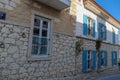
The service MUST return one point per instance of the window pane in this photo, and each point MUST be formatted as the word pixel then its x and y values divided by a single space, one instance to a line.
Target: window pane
pixel 44 41
pixel 34 50
pixel 44 33
pixel 45 24
pixel 37 22
pixel 35 40
pixel 40 41
pixel 36 31
pixel 43 50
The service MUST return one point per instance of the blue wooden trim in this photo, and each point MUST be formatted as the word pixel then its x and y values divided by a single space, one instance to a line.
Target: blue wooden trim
pixel 99 30
pixel 99 59
pixel 94 33
pixel 84 61
pixel 85 26
pixel 113 33
pixel 94 60
pixel 112 59
pixel 116 56
pixel 106 60
pixel 105 32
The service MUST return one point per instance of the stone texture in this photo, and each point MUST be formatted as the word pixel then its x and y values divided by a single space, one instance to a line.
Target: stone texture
pixel 5 72
pixel 10 40
pixel 14 35
pixel 9 4
pixel 13 50
pixel 14 66
pixel 9 59
pixel 5 30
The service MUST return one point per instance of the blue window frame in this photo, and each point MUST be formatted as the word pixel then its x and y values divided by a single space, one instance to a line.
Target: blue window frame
pixel 102 31
pixel 2 15
pixel 102 59
pixel 88 60
pixel 41 36
pixel 88 26
pixel 114 58
pixel 114 38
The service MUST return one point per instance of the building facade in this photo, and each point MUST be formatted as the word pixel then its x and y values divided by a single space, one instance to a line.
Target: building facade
pixel 38 39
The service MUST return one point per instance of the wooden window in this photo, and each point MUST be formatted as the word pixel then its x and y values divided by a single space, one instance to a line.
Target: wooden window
pixel 90 26
pixel 89 60
pixel 41 36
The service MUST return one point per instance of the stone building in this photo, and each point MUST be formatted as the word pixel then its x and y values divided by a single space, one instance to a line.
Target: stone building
pixel 38 39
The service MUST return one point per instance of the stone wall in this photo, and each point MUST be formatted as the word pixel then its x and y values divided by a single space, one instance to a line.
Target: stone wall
pixel 14 63
pixel 20 12
pixel 9 4
pixel 89 44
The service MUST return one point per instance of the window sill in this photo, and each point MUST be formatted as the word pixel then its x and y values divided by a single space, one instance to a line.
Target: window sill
pixel 39 58
pixel 94 39
pixel 87 37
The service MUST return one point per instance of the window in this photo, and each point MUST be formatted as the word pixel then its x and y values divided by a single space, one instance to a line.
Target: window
pixel 90 26
pixel 113 35
pixel 102 31
pixel 102 59
pixel 103 34
pixel 114 58
pixel 41 36
pixel 89 60
pixel 2 15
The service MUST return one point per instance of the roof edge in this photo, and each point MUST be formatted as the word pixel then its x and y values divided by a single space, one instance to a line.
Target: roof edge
pixel 103 10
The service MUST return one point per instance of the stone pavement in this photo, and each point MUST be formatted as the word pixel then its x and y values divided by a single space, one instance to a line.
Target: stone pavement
pixel 107 75
pixel 112 76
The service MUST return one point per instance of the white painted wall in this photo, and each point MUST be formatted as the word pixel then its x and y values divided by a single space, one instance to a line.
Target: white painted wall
pixel 79 25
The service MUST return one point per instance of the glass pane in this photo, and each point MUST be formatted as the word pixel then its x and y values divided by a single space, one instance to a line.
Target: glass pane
pixel 44 41
pixel 43 50
pixel 37 22
pixel 36 31
pixel 45 24
pixel 44 33
pixel 35 40
pixel 34 50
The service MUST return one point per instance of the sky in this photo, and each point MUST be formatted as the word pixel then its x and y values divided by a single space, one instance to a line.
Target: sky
pixel 111 6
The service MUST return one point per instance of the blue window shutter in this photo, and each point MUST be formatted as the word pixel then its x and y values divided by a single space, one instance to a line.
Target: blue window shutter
pixel 112 58
pixel 94 60
pixel 84 61
pixel 94 28
pixel 116 58
pixel 99 30
pixel 106 58
pixel 99 59
pixel 85 27
pixel 113 37
pixel 105 32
